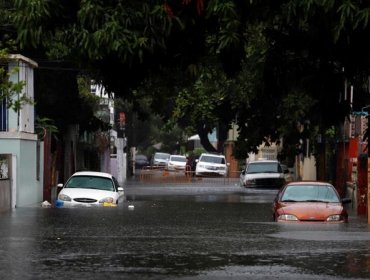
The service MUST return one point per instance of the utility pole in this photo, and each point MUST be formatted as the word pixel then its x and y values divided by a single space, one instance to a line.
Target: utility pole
pixel 121 143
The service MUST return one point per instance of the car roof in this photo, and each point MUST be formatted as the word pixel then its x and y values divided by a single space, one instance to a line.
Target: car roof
pixel 178 156
pixel 263 161
pixel 213 155
pixel 309 182
pixel 93 173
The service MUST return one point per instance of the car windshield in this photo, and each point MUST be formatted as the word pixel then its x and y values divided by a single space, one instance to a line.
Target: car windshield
pixel 90 182
pixel 140 157
pixel 211 159
pixel 161 156
pixel 264 167
pixel 181 159
pixel 310 193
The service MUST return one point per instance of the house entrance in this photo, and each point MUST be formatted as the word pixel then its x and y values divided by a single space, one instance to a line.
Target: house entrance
pixel 5 182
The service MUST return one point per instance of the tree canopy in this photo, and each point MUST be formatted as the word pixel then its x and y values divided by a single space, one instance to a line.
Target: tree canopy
pixel 266 65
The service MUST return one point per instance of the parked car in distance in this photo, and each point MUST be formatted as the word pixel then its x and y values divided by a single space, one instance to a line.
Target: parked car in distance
pixel 211 165
pixel 141 161
pixel 288 176
pixel 262 173
pixel 90 188
pixel 160 159
pixel 176 162
pixel 309 201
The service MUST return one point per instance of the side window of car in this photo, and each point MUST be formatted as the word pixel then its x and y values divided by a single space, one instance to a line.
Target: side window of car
pixel 116 185
pixel 280 170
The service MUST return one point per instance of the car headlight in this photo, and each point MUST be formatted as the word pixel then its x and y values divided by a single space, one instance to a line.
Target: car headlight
pixel 287 217
pixel 107 200
pixel 250 181
pixel 334 218
pixel 64 197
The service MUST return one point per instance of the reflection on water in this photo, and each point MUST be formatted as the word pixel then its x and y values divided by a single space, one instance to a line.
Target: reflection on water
pixel 189 235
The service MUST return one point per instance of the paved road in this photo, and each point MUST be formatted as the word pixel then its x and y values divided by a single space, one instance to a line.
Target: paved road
pixel 178 231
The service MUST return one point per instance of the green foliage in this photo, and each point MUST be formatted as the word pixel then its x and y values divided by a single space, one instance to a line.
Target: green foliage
pixel 265 65
pixel 228 21
pixel 93 29
pixel 11 91
pixel 84 89
pixel 145 129
pixel 42 125
pixel 295 109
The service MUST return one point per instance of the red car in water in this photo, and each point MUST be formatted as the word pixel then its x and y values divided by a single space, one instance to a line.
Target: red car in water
pixel 309 201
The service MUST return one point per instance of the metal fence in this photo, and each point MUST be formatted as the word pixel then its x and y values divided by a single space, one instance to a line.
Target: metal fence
pixel 160 175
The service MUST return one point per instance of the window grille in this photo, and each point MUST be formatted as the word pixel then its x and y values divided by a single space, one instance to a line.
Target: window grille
pixel 3 115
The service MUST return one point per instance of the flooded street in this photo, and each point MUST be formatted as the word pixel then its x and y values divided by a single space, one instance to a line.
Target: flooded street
pixel 179 232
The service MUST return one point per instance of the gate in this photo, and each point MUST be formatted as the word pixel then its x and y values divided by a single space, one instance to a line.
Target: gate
pixel 154 175
pixel 5 182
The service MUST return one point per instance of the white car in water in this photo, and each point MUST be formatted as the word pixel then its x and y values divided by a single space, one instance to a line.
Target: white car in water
pixel 90 188
pixel 160 159
pixel 176 162
pixel 262 173
pixel 211 165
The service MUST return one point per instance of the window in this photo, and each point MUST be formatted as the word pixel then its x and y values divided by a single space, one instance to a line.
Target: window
pixel 3 115
pixel 4 167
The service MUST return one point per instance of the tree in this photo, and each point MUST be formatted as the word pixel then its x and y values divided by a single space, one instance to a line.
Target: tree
pixel 10 91
pixel 249 62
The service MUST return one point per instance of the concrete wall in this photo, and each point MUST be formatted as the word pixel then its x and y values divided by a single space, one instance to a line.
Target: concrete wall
pixel 23 120
pixel 309 168
pixel 28 188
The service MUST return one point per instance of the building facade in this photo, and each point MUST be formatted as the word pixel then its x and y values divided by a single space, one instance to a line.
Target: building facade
pixel 21 152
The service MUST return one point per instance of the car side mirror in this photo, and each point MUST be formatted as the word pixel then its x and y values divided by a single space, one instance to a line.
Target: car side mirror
pixel 243 172
pixel 346 200
pixel 197 160
pixel 120 189
pixel 228 164
pixel 60 185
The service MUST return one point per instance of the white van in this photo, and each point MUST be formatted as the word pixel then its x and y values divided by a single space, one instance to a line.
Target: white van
pixel 262 173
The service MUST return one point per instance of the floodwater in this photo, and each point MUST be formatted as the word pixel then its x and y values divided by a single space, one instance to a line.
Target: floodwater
pixel 179 232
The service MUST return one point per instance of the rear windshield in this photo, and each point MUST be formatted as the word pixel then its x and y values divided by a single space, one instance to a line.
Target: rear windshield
pixel 211 159
pixel 181 159
pixel 162 156
pixel 264 167
pixel 90 182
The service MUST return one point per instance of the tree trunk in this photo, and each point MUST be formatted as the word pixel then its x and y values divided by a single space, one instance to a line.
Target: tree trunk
pixel 203 135
pixel 221 135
